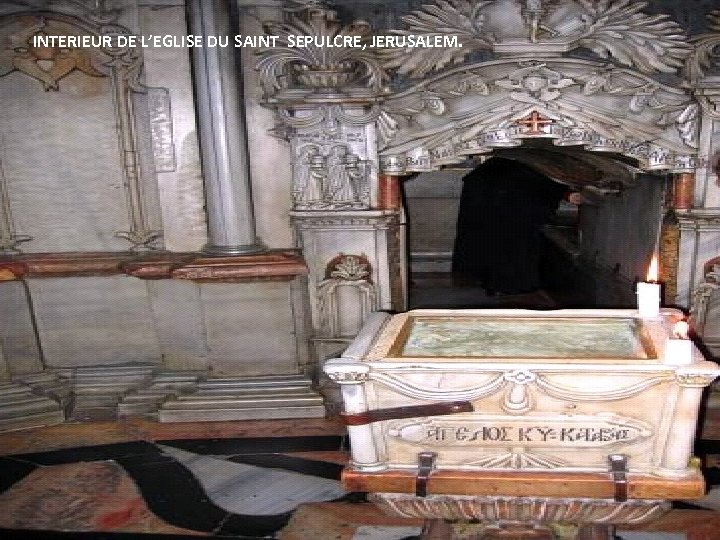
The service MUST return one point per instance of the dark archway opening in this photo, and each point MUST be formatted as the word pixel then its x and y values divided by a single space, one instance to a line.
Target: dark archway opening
pixel 499 239
pixel 504 234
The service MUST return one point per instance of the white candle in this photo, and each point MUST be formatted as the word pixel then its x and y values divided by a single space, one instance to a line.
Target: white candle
pixel 648 292
pixel 648 299
pixel 678 347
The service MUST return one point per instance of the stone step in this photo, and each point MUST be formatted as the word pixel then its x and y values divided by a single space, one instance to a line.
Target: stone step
pixel 28 408
pixel 242 390
pixel 260 396
pixel 27 421
pixel 263 401
pixel 13 388
pixel 28 397
pixel 115 371
pixel 267 381
pixel 229 414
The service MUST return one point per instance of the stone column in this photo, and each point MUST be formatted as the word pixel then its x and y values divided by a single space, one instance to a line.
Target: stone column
pixel 683 191
pixel 223 138
pixel 352 377
pixel 679 446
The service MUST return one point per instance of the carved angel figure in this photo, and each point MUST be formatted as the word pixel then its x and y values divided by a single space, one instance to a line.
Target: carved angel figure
pixel 310 178
pixel 341 186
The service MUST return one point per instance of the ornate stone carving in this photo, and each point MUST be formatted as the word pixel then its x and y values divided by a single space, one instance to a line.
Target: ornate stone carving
pixel 317 66
pixel 610 28
pixel 519 460
pixel 122 65
pixel 535 83
pixel 704 54
pixel 330 178
pixel 559 90
pixel 702 296
pixel 523 509
pixel 342 314
pixel 46 64
pixel 463 18
pixel 344 372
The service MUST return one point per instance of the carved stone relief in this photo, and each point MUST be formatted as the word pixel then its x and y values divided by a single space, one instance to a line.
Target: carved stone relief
pixel 322 65
pixel 705 312
pixel 330 178
pixel 49 65
pixel 610 28
pixel 346 296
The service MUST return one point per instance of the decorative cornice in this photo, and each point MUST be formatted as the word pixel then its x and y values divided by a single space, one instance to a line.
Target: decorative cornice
pixel 276 265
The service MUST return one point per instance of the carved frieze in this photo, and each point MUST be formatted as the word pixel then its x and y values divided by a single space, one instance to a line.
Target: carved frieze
pixel 493 509
pixel 581 103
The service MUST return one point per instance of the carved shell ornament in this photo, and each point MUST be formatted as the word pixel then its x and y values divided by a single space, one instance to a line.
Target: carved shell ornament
pixel 616 29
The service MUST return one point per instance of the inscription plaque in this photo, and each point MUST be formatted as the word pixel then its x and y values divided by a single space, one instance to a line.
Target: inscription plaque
pixel 532 431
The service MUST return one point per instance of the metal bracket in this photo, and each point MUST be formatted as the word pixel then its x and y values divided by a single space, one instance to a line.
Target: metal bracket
pixel 411 411
pixel 619 469
pixel 426 464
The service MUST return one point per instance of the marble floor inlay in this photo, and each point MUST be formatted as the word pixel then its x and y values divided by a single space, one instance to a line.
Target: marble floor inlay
pixel 247 489
pixel 284 488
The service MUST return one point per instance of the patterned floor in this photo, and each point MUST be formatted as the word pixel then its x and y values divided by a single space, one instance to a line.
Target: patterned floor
pixel 272 487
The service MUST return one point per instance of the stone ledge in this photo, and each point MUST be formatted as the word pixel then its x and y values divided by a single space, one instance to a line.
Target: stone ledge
pixel 525 484
pixel 275 265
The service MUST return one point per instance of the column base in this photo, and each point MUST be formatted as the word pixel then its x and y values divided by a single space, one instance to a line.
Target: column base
pixel 244 249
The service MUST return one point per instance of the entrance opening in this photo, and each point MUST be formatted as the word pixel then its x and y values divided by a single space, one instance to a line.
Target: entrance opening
pixel 531 228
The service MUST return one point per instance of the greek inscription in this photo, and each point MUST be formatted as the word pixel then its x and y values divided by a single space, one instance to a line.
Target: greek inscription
pixel 530 434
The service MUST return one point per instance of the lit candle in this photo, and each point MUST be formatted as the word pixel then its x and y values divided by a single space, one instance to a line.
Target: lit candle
pixel 648 292
pixel 678 347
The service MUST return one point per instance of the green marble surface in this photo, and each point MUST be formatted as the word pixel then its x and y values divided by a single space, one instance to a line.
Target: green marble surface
pixel 524 338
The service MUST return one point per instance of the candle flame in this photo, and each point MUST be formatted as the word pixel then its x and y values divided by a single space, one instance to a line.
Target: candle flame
pixel 681 330
pixel 652 273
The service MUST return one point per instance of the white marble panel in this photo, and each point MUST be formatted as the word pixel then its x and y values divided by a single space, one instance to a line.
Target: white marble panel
pixel 181 193
pixel 88 321
pixel 250 328
pixel 270 157
pixel 61 160
pixel 18 343
pixel 251 490
pixel 178 318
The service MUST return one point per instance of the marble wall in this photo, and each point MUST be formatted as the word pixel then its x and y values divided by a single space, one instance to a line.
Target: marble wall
pixel 229 329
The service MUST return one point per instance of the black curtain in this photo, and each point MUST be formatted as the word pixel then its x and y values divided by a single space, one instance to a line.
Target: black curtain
pixel 503 206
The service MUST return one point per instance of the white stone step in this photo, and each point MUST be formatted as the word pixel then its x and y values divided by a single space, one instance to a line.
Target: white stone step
pixel 27 421
pixel 29 407
pixel 226 414
pixel 242 390
pixel 264 401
